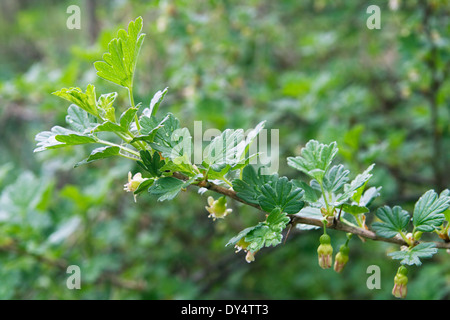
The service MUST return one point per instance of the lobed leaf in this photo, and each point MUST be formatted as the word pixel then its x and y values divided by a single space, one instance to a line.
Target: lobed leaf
pixel 119 64
pixel 249 187
pixel 151 163
pixel 394 220
pixel 315 159
pixel 351 189
pixel 98 154
pixel 167 188
pixel 264 234
pixel 428 211
pixel 281 194
pixel 85 100
pixel 335 178
pixel 413 254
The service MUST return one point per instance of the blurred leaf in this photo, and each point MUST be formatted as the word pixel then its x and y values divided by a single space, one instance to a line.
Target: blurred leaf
pixel 64 230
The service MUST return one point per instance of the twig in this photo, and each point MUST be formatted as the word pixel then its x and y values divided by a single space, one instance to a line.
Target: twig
pixel 297 218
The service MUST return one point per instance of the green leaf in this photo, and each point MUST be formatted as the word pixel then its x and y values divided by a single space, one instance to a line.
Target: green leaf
pixel 315 159
pixel 109 126
pixel 351 189
pixel 394 221
pixel 85 100
pixel 154 103
pixel 354 209
pixel 149 127
pixel 79 120
pixel 171 140
pixel 241 235
pixel 277 220
pixel 243 151
pixel 223 149
pixel 99 153
pixel 369 195
pixel 168 188
pixel 249 187
pixel 59 137
pixel 281 194
pixel 231 150
pixel 180 164
pixel 264 234
pixel 150 163
pixel 413 254
pixel 106 110
pixel 127 117
pixel 335 178
pixel 144 185
pixel 310 195
pixel 120 62
pixel 428 211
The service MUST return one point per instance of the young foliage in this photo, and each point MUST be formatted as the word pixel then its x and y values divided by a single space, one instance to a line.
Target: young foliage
pixel 351 188
pixel 162 149
pixel 57 137
pixel 315 159
pixel 412 255
pixel 119 64
pixel 264 234
pixel 85 100
pixel 394 221
pixel 98 154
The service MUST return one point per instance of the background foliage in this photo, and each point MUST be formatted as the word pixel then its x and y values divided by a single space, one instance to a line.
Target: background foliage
pixel 312 69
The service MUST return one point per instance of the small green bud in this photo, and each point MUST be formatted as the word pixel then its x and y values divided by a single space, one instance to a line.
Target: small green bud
pixel 400 283
pixel 243 245
pixel 325 239
pixel 341 258
pixel 417 235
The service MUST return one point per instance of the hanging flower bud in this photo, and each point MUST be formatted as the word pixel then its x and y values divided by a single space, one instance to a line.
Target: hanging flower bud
pixel 218 208
pixel 133 183
pixel 400 281
pixel 250 256
pixel 341 258
pixel 242 245
pixel 325 252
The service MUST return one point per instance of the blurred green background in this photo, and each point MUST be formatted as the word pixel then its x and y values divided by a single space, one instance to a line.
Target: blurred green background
pixel 311 68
